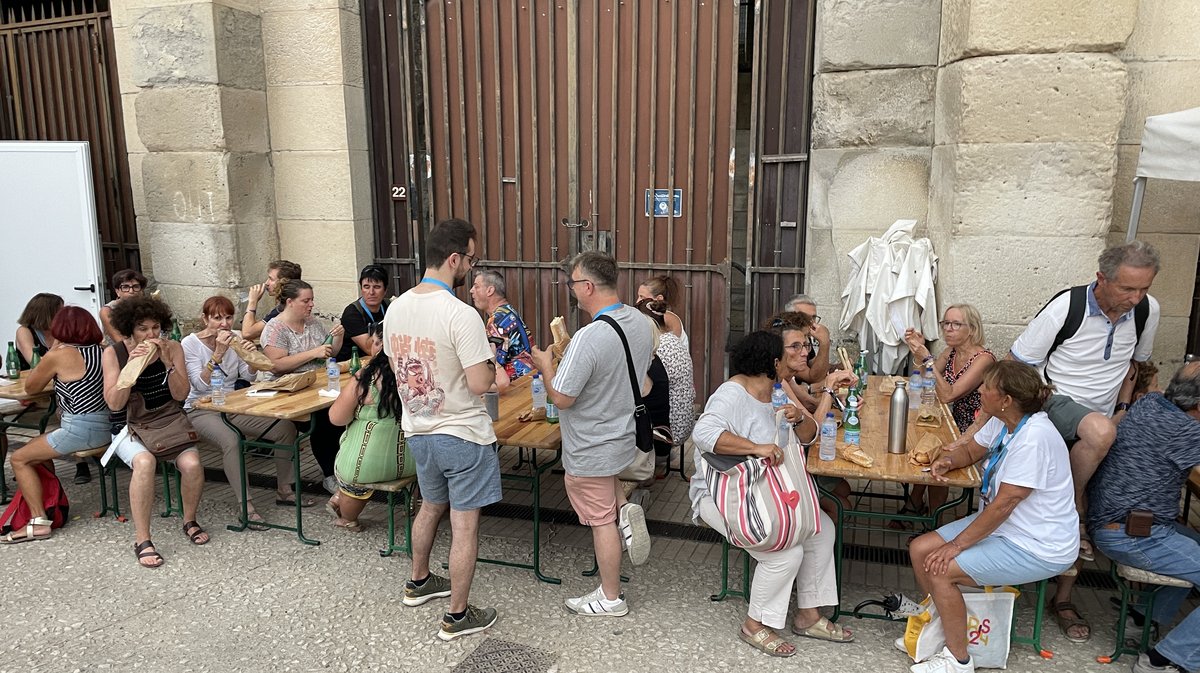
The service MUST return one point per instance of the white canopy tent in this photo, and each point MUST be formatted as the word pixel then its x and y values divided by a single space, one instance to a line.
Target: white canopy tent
pixel 1170 151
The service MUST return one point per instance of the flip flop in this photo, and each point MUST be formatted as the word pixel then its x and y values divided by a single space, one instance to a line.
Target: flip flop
pixel 291 502
pixel 352 526
pixel 820 631
pixel 758 640
pixel 256 521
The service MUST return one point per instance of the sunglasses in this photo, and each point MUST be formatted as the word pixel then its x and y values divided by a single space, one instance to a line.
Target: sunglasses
pixel 571 282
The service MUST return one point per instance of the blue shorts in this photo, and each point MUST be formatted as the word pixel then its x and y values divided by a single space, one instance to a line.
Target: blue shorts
pixel 80 432
pixel 994 561
pixel 455 471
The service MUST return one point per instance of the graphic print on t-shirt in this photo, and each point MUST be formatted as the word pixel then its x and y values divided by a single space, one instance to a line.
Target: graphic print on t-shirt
pixel 415 363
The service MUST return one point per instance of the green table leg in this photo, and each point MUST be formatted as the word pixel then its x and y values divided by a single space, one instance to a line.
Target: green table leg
pixel 293 449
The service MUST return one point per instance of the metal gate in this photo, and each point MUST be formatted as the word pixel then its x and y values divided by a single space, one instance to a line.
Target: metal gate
pixel 58 81
pixel 576 125
pixel 782 109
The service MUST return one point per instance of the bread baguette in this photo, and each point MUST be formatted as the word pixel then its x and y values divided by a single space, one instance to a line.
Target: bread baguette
pixel 134 366
pixel 558 330
pixel 856 456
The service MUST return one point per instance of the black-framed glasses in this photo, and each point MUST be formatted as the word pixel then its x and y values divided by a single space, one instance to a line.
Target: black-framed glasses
pixel 571 282
pixel 816 319
pixel 472 260
pixel 130 287
pixel 800 347
pixel 952 325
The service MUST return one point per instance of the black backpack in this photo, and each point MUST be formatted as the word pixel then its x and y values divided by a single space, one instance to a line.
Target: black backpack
pixel 1077 309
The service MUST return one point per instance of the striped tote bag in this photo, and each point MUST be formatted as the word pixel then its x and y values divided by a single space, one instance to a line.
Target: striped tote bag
pixel 766 507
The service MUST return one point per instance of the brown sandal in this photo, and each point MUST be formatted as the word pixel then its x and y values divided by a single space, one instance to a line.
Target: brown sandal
pixel 1067 623
pixel 139 550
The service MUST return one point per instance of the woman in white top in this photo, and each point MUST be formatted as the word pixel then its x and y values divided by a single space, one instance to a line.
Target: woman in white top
pixel 1026 530
pixel 666 288
pixel 297 342
pixel 738 420
pixel 204 352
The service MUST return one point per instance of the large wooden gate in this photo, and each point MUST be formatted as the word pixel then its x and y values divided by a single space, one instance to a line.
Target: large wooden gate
pixel 58 81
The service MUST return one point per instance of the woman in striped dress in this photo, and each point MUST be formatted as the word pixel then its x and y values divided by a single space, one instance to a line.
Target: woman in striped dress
pixel 74 364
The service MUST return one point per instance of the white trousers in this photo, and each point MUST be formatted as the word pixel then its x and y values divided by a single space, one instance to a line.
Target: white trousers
pixel 809 565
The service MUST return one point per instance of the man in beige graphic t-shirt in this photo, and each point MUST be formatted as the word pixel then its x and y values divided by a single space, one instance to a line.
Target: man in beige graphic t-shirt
pixel 443 363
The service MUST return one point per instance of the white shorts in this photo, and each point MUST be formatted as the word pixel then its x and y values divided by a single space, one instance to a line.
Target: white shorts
pixel 126 446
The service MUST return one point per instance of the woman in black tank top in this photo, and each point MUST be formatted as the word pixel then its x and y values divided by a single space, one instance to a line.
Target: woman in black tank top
pixel 163 382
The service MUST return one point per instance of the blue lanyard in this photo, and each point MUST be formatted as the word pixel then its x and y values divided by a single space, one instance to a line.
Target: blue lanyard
pixel 370 313
pixel 435 281
pixel 606 309
pixel 996 454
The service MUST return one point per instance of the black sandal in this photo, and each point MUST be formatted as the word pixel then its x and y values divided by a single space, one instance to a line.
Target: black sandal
pixel 906 508
pixel 193 531
pixel 139 550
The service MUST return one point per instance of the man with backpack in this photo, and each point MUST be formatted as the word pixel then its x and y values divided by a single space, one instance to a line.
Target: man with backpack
pixel 1087 341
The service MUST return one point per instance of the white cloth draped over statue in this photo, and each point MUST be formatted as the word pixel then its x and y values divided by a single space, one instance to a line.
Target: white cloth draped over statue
pixel 892 287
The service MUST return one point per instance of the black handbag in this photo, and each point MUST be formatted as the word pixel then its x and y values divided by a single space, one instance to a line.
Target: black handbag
pixel 642 426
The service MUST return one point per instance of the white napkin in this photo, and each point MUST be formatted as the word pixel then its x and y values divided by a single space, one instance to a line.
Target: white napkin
pixel 261 393
pixel 324 392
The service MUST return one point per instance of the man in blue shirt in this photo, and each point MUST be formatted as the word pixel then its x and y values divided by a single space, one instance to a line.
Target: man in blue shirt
pixel 505 329
pixel 1158 444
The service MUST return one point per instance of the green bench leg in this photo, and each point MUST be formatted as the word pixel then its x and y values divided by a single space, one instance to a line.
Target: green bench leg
pixel 171 505
pixel 110 501
pixel 406 499
pixel 1146 598
pixel 725 590
pixel 1035 638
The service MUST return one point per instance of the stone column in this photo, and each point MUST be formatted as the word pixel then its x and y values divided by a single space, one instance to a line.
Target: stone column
pixel 194 97
pixel 1029 102
pixel 317 111
pixel 872 131
pixel 1163 60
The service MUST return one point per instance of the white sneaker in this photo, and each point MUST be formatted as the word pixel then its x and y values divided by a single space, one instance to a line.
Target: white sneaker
pixel 899 643
pixel 330 484
pixel 634 537
pixel 596 604
pixel 943 662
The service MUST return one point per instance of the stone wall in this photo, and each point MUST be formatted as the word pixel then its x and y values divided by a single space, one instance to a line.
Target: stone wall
pixel 1162 56
pixel 872 131
pixel 247 137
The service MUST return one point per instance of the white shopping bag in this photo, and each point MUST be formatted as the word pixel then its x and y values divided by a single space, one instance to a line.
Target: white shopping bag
pixel 989 627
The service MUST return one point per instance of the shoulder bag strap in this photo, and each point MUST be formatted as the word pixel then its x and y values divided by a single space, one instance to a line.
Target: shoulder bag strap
pixel 637 392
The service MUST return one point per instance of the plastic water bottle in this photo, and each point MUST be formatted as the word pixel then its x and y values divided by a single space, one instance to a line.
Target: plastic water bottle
pixel 829 437
pixel 778 397
pixel 863 371
pixel 551 412
pixel 783 434
pixel 928 387
pixel 916 386
pixel 538 388
pixel 851 429
pixel 217 382
pixel 333 375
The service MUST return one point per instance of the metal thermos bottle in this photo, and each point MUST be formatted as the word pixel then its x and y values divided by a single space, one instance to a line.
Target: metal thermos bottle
pixel 898 419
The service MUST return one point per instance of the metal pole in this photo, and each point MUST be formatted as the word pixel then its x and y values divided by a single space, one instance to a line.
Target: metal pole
pixel 1135 212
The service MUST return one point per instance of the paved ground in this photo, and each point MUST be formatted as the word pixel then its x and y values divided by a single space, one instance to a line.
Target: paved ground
pixel 260 601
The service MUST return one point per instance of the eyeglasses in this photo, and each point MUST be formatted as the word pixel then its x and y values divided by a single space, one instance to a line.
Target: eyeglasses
pixel 800 347
pixel 816 319
pixel 472 260
pixel 130 288
pixel 951 325
pixel 571 282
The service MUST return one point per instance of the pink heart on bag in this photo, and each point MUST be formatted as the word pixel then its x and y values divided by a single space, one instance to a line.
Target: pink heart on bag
pixel 792 499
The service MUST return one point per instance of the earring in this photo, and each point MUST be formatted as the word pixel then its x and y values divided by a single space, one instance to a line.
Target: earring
pixel 1003 408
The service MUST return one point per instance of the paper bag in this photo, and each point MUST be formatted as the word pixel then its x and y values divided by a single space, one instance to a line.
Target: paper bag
pixel 133 369
pixel 288 383
pixel 249 353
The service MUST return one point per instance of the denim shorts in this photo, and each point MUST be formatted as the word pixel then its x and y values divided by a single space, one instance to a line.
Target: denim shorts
pixel 456 471
pixel 994 561
pixel 80 432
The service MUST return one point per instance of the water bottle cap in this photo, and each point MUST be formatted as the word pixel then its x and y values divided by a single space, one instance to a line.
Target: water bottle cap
pixel 828 414
pixel 535 375
pixel 779 386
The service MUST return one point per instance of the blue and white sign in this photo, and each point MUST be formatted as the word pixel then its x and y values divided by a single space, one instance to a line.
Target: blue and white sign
pixel 664 202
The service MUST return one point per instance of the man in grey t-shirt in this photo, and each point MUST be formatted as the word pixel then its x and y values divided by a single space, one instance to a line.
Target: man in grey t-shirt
pixel 591 387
